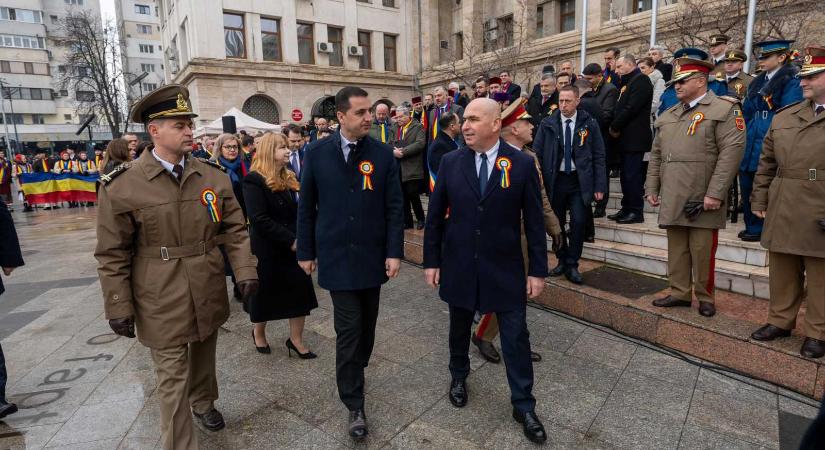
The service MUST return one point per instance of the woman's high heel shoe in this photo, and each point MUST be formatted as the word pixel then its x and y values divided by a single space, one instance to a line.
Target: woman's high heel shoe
pixel 266 349
pixel 291 347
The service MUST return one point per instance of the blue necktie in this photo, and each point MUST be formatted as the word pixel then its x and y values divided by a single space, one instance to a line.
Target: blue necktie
pixel 568 147
pixel 482 173
pixel 296 166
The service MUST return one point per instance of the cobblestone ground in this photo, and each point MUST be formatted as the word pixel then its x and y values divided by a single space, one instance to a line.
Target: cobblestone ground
pixel 81 387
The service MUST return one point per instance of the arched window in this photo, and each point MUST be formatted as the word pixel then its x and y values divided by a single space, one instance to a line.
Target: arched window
pixel 262 108
pixel 324 107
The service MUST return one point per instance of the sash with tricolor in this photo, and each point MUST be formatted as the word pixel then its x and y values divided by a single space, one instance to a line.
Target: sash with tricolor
pixel 65 187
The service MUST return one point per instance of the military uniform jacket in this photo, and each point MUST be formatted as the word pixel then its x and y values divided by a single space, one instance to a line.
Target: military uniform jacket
pixel 783 187
pixel 738 85
pixel 687 167
pixel 157 253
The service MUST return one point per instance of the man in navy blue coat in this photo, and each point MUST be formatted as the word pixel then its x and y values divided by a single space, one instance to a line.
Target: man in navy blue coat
pixel 350 220
pixel 10 258
pixel 472 250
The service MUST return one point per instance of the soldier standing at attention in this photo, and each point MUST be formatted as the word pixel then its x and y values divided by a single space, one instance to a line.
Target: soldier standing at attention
pixel 737 79
pixel 698 145
pixel 718 48
pixel 160 222
pixel 789 193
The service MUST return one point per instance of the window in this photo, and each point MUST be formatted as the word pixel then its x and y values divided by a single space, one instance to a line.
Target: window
pixel 67 117
pixel 85 96
pixel 83 71
pixel 233 35
pixel 28 68
pixel 10 40
pixel 642 5
pixel 306 39
pixel 61 69
pixel 5 67
pixel 271 39
pixel 390 55
pixel 144 29
pixel 73 2
pixel 38 119
pixel 36 94
pixel 540 21
pixel 335 36
pixel 147 87
pixel 458 52
pixel 568 15
pixel 147 67
pixel 64 93
pixel 142 9
pixel 53 19
pixel 390 3
pixel 146 48
pixel 20 15
pixel 365 61
pixel 13 118
pixel 505 29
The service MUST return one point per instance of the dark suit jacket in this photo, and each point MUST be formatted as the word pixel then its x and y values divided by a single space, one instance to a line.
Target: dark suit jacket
pixel 431 114
pixel 350 230
pixel 589 158
pixel 442 145
pixel 607 94
pixel 538 110
pixel 514 91
pixel 665 68
pixel 478 247
pixel 631 117
pixel 10 255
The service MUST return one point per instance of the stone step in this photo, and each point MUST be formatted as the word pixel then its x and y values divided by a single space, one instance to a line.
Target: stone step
pixel 730 276
pixel 614 203
pixel 648 234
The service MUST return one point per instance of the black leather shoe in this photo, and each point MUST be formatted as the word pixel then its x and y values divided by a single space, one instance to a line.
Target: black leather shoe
pixel 707 309
pixel 750 237
pixel 740 234
pixel 558 271
pixel 769 332
pixel 617 215
pixel 573 275
pixel 533 428
pixel 535 357
pixel 458 393
pixel 358 425
pixel 812 348
pixel 631 218
pixel 487 349
pixel 599 212
pixel 6 409
pixel 212 420
pixel 670 302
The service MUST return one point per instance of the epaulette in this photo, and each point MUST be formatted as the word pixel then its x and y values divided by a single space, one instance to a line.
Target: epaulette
pixel 108 177
pixel 728 98
pixel 211 163
pixel 788 106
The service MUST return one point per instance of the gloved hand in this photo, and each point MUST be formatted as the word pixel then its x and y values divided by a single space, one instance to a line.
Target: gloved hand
pixel 123 327
pixel 822 224
pixel 556 242
pixel 693 209
pixel 248 288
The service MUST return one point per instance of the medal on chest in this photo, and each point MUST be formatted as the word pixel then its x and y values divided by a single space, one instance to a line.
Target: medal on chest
pixel 366 168
pixel 696 118
pixel 582 136
pixel 504 165
pixel 210 199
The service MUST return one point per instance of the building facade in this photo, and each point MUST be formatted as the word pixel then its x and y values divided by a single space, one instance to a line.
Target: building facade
pixel 44 115
pixel 138 25
pixel 274 58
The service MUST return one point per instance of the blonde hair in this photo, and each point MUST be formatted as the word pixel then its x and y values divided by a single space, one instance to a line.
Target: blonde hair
pixel 265 163
pixel 220 142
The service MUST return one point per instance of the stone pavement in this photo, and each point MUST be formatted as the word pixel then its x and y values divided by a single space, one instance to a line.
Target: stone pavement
pixel 80 387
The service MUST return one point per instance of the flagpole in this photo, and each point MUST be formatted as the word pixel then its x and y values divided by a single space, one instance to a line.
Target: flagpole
pixel 583 55
pixel 654 15
pixel 749 34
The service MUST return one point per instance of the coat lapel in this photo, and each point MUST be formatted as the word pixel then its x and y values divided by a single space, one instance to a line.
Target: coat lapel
pixel 468 168
pixel 504 149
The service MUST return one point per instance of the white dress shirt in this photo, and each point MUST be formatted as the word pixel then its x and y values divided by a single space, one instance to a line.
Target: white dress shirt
pixel 730 77
pixel 696 100
pixel 345 145
pixel 564 134
pixel 491 160
pixel 168 166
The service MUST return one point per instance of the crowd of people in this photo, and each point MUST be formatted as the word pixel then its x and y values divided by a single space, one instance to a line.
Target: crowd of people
pixel 503 170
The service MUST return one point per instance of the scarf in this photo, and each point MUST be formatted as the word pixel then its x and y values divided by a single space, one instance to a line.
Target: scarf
pixel 235 169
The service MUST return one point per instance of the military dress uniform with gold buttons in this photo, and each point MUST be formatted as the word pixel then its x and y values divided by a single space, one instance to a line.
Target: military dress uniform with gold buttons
pixel 695 154
pixel 718 71
pixel 738 83
pixel 790 187
pixel 158 230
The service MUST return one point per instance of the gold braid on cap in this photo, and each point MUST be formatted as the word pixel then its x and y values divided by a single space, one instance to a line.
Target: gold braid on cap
pixel 180 107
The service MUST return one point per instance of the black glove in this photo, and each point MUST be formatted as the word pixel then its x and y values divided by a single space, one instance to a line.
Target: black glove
pixel 556 242
pixel 248 288
pixel 822 224
pixel 123 327
pixel 693 209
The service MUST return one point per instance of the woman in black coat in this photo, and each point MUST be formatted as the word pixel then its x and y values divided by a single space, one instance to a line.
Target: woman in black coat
pixel 286 292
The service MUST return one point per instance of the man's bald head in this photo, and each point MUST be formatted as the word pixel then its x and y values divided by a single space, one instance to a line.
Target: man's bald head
pixel 381 112
pixel 482 124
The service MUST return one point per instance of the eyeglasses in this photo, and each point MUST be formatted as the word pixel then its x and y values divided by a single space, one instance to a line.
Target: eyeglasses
pixel 230 147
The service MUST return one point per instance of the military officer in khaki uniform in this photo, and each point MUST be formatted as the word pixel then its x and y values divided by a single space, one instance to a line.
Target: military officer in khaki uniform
pixel 718 48
pixel 737 79
pixel 160 221
pixel 789 193
pixel 696 153
pixel 516 130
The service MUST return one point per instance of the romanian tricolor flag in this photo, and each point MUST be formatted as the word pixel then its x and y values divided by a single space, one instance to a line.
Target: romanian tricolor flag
pixel 65 187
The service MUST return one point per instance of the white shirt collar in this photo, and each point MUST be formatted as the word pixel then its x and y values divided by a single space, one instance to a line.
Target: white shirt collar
pixel 491 154
pixel 734 75
pixel 573 118
pixel 513 146
pixel 817 105
pixel 696 100
pixel 770 74
pixel 168 166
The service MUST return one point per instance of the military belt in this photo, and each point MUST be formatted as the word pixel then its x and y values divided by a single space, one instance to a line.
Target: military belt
pixel 801 174
pixel 184 251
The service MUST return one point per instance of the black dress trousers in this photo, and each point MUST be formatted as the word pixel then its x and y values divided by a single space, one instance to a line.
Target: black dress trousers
pixel 355 314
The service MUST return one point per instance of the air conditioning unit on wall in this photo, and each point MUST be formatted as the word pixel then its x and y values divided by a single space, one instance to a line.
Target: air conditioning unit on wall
pixel 355 50
pixel 444 44
pixel 324 47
